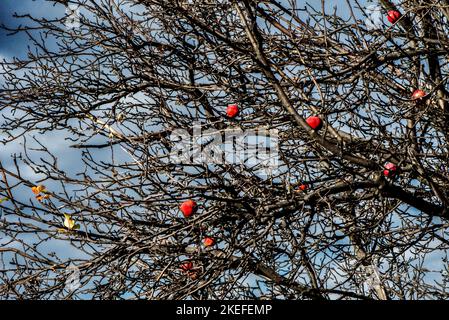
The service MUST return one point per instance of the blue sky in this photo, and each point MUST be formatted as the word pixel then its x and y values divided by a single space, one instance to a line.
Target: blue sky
pixel 17 45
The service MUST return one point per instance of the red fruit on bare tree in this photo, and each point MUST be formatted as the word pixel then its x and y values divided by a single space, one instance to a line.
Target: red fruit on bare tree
pixel 393 16
pixel 188 208
pixel 178 100
pixel 208 241
pixel 314 122
pixel 418 94
pixel 232 111
pixel 390 170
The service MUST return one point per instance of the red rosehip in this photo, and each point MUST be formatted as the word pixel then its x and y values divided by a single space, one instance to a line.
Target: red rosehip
pixel 314 122
pixel 188 208
pixel 303 187
pixel 393 16
pixel 390 170
pixel 208 241
pixel 418 94
pixel 186 266
pixel 232 111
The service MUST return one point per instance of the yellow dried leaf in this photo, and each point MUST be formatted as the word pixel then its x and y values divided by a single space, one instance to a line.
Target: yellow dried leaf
pixel 69 223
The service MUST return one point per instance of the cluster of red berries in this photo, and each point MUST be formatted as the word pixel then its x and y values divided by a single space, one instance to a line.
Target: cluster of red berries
pixel 393 16
pixel 188 208
pixel 390 169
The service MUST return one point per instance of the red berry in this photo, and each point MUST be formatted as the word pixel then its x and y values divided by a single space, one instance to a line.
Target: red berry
pixel 418 94
pixel 390 170
pixel 393 16
pixel 303 187
pixel 232 110
pixel 314 122
pixel 187 266
pixel 188 208
pixel 208 241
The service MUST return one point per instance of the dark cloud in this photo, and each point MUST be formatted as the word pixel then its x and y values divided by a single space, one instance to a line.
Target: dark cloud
pixel 16 45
